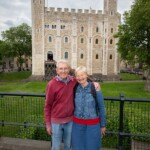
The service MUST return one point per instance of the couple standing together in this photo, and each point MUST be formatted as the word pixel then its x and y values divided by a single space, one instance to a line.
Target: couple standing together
pixel 71 113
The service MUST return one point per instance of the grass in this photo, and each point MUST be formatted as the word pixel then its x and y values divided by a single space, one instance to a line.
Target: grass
pixel 11 76
pixel 130 89
pixel 112 89
pixel 128 76
pixel 23 87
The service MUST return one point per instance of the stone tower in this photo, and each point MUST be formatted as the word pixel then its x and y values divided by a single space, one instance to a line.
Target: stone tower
pixel 38 37
pixel 83 37
pixel 110 7
pixel 110 26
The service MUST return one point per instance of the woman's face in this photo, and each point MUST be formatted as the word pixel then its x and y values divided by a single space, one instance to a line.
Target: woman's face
pixel 81 77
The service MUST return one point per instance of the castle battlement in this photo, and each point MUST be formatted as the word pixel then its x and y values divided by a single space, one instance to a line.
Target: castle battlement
pixel 77 11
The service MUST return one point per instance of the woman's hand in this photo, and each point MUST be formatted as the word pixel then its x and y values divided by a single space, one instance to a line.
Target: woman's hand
pixel 103 130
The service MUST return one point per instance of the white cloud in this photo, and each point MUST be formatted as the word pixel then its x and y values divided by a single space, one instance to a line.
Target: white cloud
pixel 18 11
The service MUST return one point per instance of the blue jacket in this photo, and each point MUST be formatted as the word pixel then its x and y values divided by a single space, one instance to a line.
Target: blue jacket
pixel 85 104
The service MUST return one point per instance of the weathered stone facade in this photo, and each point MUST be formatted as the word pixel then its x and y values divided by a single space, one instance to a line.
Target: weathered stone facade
pixel 84 37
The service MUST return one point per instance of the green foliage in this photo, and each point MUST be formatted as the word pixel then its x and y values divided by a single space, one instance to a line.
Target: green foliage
pixel 36 133
pixel 134 34
pixel 139 124
pixel 111 140
pixel 17 42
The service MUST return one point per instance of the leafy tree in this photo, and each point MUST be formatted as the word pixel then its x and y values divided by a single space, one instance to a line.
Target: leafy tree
pixel 134 36
pixel 3 52
pixel 17 43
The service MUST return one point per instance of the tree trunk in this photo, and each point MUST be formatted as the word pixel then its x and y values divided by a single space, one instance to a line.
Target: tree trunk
pixel 147 86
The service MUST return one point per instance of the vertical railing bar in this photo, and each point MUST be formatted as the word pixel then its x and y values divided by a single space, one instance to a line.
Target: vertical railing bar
pixel 122 98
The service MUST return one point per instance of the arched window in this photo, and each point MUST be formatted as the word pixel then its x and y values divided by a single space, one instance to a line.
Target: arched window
pixel 82 29
pixel 112 30
pixel 82 40
pixel 66 39
pixel 53 26
pixel 81 56
pixel 66 55
pixel 111 41
pixel 110 57
pixel 96 56
pixel 96 41
pixel 111 13
pixel 49 39
pixel 50 56
pixel 97 29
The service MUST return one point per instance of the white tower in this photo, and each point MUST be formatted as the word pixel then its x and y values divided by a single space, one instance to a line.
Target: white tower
pixel 37 37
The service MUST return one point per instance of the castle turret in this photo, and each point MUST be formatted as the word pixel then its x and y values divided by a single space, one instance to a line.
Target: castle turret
pixel 110 7
pixel 38 37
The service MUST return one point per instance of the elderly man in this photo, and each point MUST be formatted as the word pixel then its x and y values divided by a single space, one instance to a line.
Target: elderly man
pixel 59 106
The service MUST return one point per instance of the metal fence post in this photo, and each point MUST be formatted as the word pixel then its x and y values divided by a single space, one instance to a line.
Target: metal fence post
pixel 122 98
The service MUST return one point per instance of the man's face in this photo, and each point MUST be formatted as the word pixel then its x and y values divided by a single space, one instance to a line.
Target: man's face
pixel 63 70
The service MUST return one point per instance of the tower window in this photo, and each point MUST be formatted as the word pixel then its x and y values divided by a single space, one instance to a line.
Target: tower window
pixel 82 40
pixel 81 56
pixel 53 26
pixel 96 56
pixel 49 39
pixel 66 55
pixel 112 30
pixel 82 29
pixel 111 13
pixel 111 41
pixel 110 57
pixel 97 29
pixel 90 40
pixel 62 26
pixel 96 41
pixel 66 39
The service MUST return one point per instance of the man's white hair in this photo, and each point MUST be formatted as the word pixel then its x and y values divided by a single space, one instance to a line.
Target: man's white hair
pixel 62 61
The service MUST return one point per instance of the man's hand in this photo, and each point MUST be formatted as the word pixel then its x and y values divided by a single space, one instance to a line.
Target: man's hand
pixel 97 86
pixel 49 130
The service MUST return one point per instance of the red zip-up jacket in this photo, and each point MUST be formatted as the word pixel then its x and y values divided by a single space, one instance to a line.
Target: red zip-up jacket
pixel 59 105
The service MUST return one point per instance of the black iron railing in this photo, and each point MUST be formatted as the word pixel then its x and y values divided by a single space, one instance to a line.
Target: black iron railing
pixel 128 120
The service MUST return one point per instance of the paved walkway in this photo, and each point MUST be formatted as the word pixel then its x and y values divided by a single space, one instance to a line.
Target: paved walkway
pixel 21 144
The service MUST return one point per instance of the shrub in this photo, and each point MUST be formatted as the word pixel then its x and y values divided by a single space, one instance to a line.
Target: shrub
pixel 37 133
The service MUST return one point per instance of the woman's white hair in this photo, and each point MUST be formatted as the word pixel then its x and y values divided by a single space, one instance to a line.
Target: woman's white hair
pixel 82 69
pixel 62 61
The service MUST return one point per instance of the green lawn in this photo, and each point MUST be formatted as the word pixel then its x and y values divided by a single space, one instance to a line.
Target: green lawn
pixel 130 89
pixel 128 76
pixel 11 76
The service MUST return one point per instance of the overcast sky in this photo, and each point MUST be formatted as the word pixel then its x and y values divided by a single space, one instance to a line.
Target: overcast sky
pixel 15 12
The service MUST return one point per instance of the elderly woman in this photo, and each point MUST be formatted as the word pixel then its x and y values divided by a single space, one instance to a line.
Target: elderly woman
pixel 89 115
